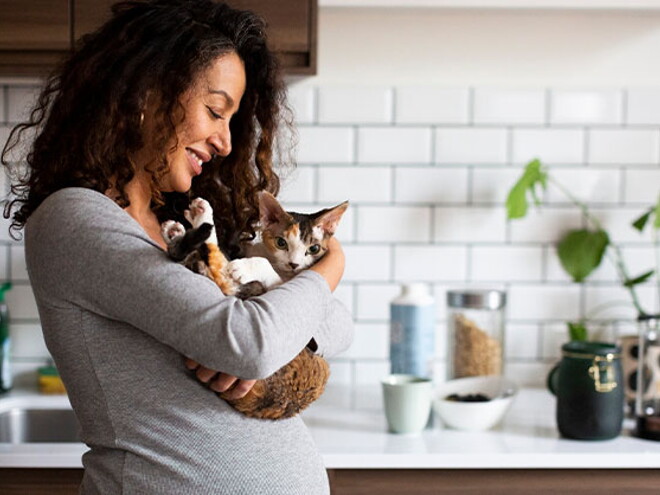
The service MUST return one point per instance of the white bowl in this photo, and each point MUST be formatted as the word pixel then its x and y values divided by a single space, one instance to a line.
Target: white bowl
pixel 474 416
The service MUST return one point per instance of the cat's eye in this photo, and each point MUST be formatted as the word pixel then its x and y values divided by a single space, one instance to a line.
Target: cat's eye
pixel 313 250
pixel 280 242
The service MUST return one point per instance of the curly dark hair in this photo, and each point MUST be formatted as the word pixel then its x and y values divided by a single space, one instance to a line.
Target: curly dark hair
pixel 87 119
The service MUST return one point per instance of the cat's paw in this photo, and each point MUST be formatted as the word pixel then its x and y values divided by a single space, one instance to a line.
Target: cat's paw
pixel 170 230
pixel 200 212
pixel 246 270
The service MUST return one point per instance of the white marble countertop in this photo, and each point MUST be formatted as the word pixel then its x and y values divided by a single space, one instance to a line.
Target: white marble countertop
pixel 357 438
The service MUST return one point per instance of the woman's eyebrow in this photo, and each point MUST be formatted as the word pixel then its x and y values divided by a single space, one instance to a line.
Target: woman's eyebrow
pixel 223 93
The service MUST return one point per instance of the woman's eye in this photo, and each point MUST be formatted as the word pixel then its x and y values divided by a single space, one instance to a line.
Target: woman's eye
pixel 314 249
pixel 215 115
pixel 280 242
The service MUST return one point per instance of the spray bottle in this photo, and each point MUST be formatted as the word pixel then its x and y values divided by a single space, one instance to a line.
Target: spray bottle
pixel 5 372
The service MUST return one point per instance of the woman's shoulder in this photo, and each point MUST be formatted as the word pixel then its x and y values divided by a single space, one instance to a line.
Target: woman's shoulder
pixel 73 196
pixel 75 203
pixel 76 210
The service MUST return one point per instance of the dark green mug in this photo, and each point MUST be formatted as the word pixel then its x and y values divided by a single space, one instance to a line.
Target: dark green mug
pixel 588 383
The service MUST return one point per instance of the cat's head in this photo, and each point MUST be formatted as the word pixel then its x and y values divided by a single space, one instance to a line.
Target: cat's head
pixel 295 241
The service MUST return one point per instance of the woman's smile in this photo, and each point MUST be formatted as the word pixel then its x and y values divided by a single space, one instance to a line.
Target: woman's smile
pixel 196 160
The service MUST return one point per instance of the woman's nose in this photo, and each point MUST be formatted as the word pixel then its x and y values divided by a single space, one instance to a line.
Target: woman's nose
pixel 221 142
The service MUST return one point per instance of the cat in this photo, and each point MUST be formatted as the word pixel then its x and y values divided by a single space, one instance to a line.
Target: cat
pixel 286 243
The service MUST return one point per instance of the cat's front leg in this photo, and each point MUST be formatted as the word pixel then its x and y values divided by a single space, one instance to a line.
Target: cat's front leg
pixel 200 212
pixel 245 270
pixel 170 230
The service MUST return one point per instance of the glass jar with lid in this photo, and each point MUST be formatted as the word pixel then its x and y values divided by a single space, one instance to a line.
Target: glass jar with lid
pixel 475 329
pixel 647 404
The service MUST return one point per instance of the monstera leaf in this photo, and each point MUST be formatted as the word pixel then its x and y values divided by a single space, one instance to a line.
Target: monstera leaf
pixel 581 251
pixel 533 177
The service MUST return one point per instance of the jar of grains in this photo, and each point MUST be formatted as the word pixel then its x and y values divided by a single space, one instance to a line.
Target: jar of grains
pixel 475 327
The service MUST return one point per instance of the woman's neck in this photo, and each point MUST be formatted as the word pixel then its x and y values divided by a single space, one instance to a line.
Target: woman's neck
pixel 139 196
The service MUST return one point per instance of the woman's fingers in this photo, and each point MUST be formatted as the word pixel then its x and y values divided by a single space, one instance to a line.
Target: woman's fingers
pixel 241 389
pixel 223 382
pixel 204 374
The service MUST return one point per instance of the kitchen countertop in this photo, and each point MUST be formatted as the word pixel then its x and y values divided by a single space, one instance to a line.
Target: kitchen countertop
pixel 350 438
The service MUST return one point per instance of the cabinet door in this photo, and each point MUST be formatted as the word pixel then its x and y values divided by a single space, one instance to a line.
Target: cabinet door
pixel 33 35
pixel 291 27
pixel 89 15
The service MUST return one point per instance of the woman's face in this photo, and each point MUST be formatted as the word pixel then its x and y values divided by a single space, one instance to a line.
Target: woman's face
pixel 209 105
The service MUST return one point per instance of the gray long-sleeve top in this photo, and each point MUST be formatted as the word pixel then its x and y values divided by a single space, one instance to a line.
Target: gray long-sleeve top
pixel 119 316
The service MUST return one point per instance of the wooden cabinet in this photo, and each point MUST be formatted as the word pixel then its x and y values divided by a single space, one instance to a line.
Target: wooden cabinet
pixel 398 481
pixel 292 28
pixel 34 34
pixel 493 481
pixel 33 481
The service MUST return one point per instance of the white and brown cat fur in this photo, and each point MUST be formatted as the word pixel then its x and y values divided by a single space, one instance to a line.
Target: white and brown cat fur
pixel 286 243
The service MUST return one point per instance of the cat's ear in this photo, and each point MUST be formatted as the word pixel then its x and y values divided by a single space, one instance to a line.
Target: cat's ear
pixel 270 211
pixel 329 219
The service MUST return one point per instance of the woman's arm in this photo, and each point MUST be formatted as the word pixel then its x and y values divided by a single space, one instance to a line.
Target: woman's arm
pixel 331 266
pixel 335 334
pixel 83 251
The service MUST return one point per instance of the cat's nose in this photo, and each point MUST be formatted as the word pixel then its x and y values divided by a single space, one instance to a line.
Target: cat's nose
pixel 293 265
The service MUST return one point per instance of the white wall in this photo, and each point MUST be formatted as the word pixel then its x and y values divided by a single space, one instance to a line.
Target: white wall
pixel 496 88
pixel 514 48
pixel 379 126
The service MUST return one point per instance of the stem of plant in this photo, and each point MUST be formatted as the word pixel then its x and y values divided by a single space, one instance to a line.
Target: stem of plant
pixel 617 258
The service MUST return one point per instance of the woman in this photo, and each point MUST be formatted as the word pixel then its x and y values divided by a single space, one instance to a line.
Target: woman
pixel 167 97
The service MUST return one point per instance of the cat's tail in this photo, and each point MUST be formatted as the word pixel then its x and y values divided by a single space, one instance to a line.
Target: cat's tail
pixel 287 391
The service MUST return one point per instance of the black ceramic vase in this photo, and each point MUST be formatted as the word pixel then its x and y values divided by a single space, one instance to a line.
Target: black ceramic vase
pixel 589 389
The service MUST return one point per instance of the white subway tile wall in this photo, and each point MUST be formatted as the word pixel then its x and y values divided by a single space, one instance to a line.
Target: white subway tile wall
pixel 19 102
pixel 370 105
pixel 471 146
pixel 432 105
pixel 556 146
pixel 584 107
pixel 643 106
pixel 624 147
pixel 641 186
pixel 427 170
pixel 394 145
pixel 512 106
pixel 326 145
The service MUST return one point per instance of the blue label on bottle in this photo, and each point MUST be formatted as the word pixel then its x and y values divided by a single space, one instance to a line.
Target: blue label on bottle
pixel 412 339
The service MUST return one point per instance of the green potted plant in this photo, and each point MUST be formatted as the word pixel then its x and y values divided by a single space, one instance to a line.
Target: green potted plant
pixel 581 251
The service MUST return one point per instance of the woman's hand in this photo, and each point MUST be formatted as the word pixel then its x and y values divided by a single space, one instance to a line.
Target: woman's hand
pixel 331 266
pixel 221 382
